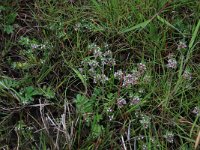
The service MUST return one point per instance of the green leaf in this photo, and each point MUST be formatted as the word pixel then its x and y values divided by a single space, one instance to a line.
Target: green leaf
pixel 80 76
pixel 2 8
pixel 97 118
pixel 97 6
pixel 97 130
pixel 24 41
pixel 47 92
pixel 83 104
pixel 169 24
pixel 138 26
pixel 26 94
pixel 8 83
pixel 10 19
pixel 8 29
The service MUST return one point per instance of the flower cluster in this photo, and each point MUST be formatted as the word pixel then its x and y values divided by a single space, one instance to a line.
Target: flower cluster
pixel 93 47
pixel 77 26
pixel 33 44
pixel 121 102
pixel 97 52
pixel 169 136
pixel 132 101
pixel 131 78
pixel 38 46
pixel 144 147
pixel 83 25
pixel 109 110
pixel 145 121
pixel 98 61
pixel 118 74
pixel 141 68
pixel 135 100
pixel 93 63
pixel 181 45
pixel 100 78
pixel 105 58
pixel 172 63
pixel 147 79
pixel 141 91
pixel 196 110
pixel 110 115
pixel 86 25
pixel 187 75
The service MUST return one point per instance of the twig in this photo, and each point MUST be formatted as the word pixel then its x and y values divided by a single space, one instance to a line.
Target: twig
pixel 42 116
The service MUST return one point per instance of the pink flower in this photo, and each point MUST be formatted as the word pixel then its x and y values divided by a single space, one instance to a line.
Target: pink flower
pixel 181 45
pixel 172 63
pixel 121 102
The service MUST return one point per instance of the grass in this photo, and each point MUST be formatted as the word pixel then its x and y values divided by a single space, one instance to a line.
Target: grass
pixel 60 84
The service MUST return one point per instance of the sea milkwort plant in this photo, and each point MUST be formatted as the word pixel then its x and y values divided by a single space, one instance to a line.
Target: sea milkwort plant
pixel 96 64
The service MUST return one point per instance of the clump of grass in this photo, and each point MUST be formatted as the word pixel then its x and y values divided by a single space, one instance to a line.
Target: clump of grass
pixel 99 75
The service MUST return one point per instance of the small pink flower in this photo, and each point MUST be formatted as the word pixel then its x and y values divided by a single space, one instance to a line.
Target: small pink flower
pixel 196 110
pixel 169 136
pixel 121 102
pixel 130 79
pixel 172 63
pixel 187 75
pixel 141 68
pixel 109 109
pixel 135 100
pixel 181 45
pixel 118 74
pixel 111 117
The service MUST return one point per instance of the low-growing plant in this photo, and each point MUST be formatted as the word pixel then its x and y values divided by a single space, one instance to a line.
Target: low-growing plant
pixel 25 95
pixel 109 74
pixel 8 19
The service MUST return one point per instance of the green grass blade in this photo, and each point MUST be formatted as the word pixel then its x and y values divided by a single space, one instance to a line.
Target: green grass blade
pixel 194 35
pixel 169 24
pixel 80 76
pixel 138 26
pixel 97 5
